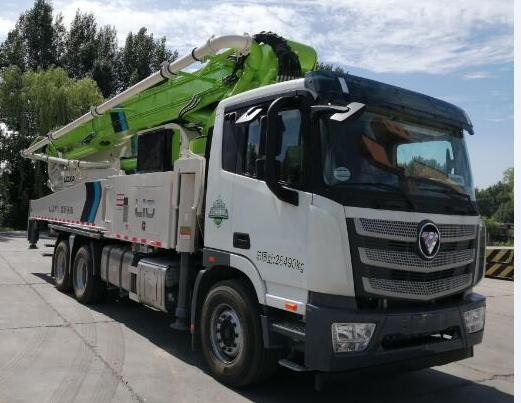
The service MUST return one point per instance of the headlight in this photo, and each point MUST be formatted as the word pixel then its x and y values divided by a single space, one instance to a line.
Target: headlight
pixel 474 319
pixel 351 336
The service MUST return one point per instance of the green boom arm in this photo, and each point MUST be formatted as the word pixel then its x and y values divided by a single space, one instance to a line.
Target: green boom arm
pixel 188 98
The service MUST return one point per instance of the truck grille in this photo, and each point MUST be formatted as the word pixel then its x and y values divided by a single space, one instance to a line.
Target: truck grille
pixel 407 260
pixel 390 266
pixel 418 289
pixel 407 231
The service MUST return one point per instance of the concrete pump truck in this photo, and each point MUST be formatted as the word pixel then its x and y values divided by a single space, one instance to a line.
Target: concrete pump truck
pixel 282 214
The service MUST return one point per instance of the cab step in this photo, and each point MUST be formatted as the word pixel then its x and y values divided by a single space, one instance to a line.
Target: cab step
pixel 294 330
pixel 294 366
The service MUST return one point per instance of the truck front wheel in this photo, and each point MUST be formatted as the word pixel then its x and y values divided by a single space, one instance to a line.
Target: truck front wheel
pixel 87 287
pixel 231 336
pixel 61 266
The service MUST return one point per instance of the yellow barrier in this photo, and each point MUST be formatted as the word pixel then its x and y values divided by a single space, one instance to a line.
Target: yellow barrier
pixel 500 263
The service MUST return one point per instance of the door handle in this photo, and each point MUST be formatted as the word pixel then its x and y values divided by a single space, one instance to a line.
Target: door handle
pixel 241 240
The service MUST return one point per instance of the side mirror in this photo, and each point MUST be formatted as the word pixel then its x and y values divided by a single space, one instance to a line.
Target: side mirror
pixel 273 141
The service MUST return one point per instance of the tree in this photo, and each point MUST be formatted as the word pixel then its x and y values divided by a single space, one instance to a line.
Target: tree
pixel 31 104
pixel 12 50
pixel 104 68
pixel 36 42
pixel 80 45
pixel 92 52
pixel 497 201
pixel 141 56
pixel 37 96
pixel 41 36
pixel 322 66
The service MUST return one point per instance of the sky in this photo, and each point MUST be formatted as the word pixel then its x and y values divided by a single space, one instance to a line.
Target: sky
pixel 459 51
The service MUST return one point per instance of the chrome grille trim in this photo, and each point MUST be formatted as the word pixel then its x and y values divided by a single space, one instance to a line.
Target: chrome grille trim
pixel 407 231
pixel 410 261
pixel 418 290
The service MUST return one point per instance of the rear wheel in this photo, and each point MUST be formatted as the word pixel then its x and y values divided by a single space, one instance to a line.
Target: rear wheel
pixel 61 266
pixel 88 287
pixel 231 336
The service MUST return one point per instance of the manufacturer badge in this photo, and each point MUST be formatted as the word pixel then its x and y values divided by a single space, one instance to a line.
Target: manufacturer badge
pixel 428 240
pixel 218 213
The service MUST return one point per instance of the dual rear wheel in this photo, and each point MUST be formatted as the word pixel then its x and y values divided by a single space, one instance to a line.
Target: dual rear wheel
pixel 81 277
pixel 231 332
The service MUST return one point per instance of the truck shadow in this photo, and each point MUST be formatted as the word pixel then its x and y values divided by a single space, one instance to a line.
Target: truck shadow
pixel 7 236
pixel 429 385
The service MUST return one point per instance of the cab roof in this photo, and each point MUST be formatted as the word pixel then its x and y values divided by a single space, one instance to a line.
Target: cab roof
pixel 330 88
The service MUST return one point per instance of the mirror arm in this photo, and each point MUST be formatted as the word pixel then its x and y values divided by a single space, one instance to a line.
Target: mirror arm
pixel 354 109
pixel 270 171
pixel 318 109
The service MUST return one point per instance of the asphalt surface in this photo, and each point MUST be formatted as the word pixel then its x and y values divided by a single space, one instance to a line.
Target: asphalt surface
pixel 54 349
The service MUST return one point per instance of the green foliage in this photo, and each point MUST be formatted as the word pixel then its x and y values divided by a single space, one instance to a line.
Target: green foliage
pixel 417 162
pixel 104 70
pixel 498 234
pixel 53 99
pixel 80 45
pixel 497 201
pixel 12 50
pixel 50 75
pixel 141 56
pixel 31 104
pixel 90 51
pixel 38 42
pixel 322 66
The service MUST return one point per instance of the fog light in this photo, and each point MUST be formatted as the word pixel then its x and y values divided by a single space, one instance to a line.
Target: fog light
pixel 351 336
pixel 474 319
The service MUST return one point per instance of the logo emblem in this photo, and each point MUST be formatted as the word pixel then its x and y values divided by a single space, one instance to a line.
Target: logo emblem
pixel 428 240
pixel 218 212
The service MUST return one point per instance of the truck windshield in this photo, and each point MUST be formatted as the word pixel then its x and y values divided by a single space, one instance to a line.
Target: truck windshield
pixel 377 153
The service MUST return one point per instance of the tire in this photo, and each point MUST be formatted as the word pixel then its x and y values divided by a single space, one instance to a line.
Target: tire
pixel 237 359
pixel 87 287
pixel 60 263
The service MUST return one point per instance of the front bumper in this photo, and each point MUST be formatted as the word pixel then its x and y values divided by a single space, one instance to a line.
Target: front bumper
pixel 402 338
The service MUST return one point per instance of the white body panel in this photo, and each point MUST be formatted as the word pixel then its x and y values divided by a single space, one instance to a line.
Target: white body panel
pixel 76 205
pixel 138 207
pixel 278 231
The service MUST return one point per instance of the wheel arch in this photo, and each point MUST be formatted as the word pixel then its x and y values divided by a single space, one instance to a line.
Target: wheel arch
pixel 221 266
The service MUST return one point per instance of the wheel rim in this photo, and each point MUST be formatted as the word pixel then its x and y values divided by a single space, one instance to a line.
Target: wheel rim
pixel 226 333
pixel 80 275
pixel 61 266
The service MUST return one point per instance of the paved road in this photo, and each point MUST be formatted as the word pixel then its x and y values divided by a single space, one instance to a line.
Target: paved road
pixel 54 349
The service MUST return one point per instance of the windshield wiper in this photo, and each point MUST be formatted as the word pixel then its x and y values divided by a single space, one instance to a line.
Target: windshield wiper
pixel 446 189
pixel 398 189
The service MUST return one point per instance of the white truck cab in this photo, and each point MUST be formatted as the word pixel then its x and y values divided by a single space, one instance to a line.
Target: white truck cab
pixel 372 242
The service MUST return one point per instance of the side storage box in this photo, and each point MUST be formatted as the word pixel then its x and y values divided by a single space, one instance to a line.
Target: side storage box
pixel 156 282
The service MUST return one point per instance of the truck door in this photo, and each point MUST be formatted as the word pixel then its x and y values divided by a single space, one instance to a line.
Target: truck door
pixel 269 231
